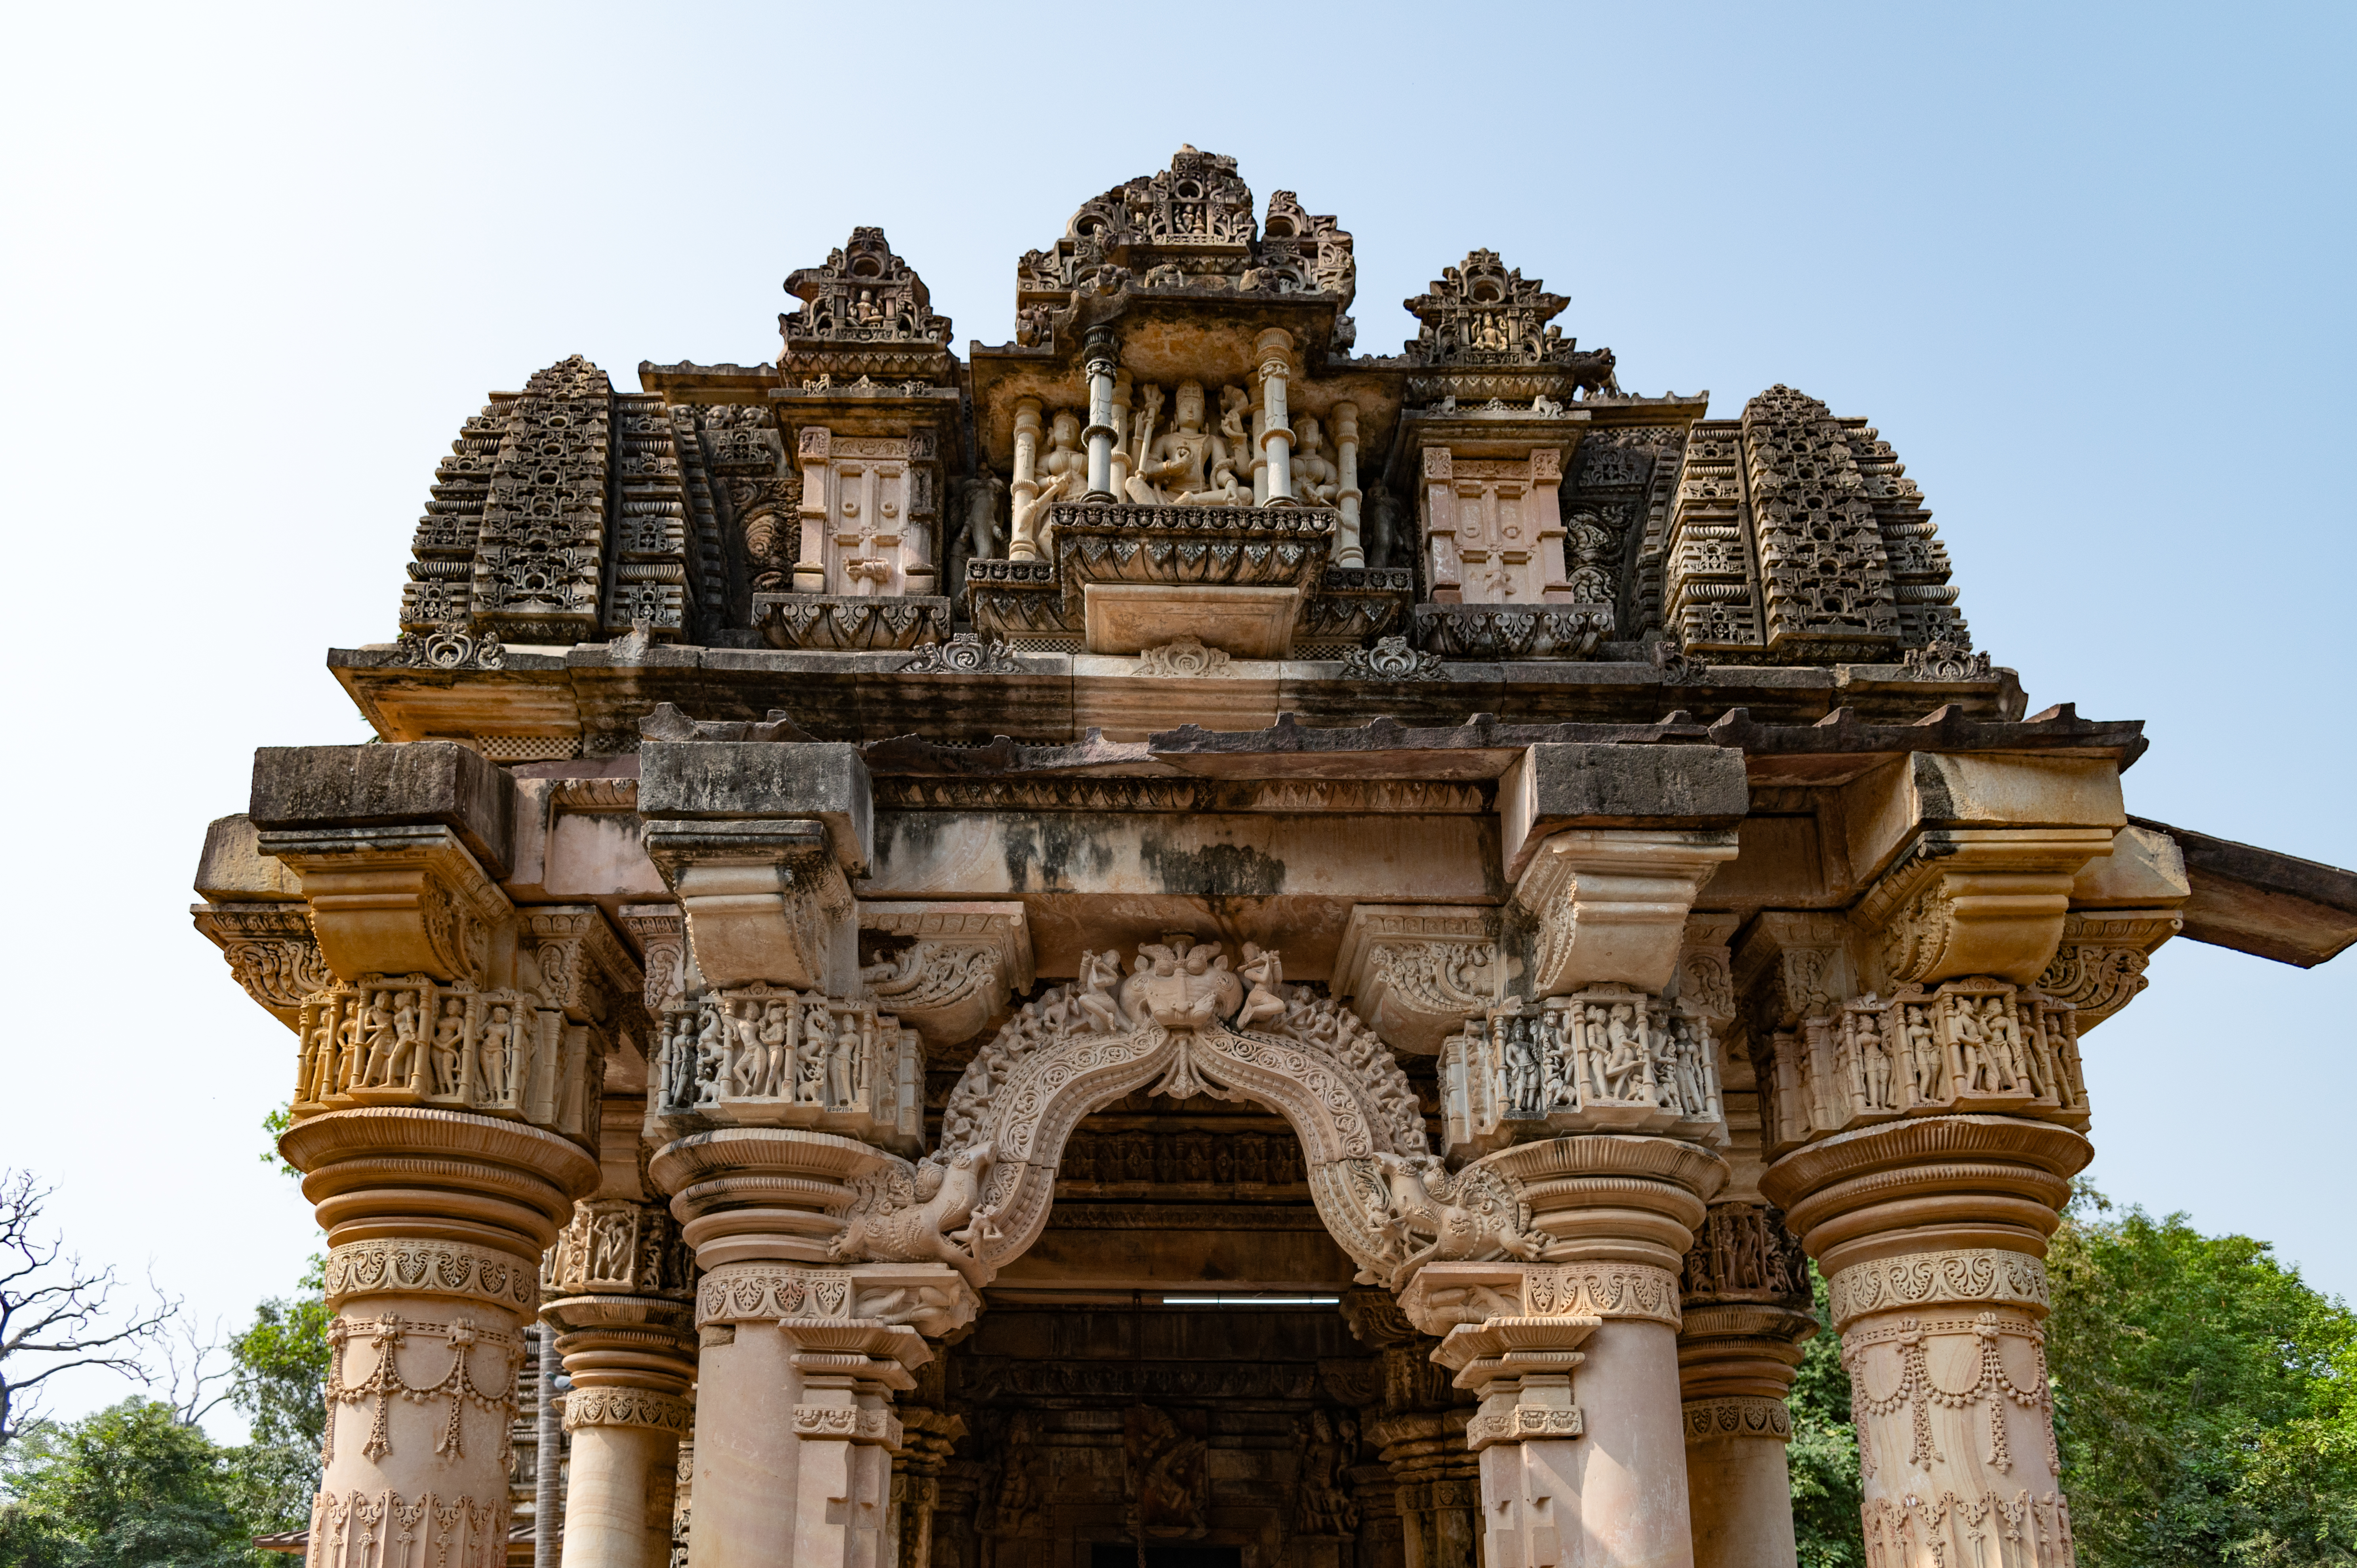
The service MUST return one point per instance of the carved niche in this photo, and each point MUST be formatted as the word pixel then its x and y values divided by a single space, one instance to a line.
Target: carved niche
pixel 868 509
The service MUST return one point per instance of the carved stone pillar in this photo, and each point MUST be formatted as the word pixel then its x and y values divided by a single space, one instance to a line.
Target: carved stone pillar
pixel 1932 1233
pixel 1925 1130
pixel 1746 1305
pixel 1347 551
pixel 443 1118
pixel 435 1220
pixel 1580 1431
pixel 1099 358
pixel 621 1299
pixel 1023 488
pixel 1274 348
pixel 1418 1430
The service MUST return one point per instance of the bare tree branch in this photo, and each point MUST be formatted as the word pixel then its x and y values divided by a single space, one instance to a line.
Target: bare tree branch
pixel 189 1383
pixel 56 1314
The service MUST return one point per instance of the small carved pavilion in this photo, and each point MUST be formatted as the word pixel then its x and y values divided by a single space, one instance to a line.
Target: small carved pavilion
pixel 1169 944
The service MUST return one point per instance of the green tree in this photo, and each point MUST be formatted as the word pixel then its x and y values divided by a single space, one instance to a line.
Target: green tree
pixel 282 1363
pixel 127 1487
pixel 1823 1452
pixel 2205 1397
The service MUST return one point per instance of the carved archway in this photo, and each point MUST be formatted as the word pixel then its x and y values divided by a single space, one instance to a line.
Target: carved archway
pixel 1182 1022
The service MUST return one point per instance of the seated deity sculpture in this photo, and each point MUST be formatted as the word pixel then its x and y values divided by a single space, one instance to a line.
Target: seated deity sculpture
pixel 1316 481
pixel 1172 466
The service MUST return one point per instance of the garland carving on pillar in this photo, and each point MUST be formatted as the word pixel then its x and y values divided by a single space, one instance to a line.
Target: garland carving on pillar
pixel 385 1383
pixel 359 1528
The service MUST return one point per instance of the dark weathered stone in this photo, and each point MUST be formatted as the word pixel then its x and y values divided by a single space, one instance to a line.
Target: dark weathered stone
pixel 440 782
pixel 824 780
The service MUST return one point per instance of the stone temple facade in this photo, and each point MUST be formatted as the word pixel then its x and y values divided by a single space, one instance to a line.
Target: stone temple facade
pixel 1169 944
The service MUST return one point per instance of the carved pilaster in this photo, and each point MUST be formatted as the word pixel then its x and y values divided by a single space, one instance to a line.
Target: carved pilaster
pixel 1416 972
pixel 661 932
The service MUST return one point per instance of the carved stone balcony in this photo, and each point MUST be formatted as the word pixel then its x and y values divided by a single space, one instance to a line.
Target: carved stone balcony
pixel 1252 581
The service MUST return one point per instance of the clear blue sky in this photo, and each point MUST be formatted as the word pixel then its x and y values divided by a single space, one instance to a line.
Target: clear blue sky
pixel 2088 267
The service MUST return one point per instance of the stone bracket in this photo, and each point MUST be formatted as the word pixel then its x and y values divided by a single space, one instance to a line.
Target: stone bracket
pixel 1416 972
pixel 764 900
pixel 1965 901
pixel 961 963
pixel 271 952
pixel 401 899
pixel 1610 905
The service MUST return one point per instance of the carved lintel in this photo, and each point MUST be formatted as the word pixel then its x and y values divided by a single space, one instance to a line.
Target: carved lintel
pixel 960 962
pixel 394 900
pixel 1963 901
pixel 271 952
pixel 1610 905
pixel 1414 972
pixel 765 900
pixel 2100 963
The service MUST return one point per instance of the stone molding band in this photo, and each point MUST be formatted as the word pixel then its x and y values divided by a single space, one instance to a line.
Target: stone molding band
pixel 1985 1276
pixel 1738 1417
pixel 628 1407
pixel 743 1293
pixel 402 1266
pixel 848 1424
pixel 1603 1290
pixel 1520 1424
